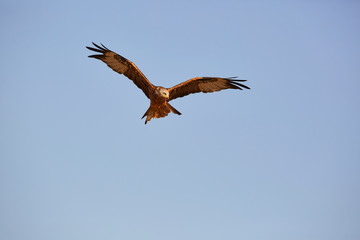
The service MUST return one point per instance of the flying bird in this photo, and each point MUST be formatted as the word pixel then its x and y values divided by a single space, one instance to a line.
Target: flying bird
pixel 160 96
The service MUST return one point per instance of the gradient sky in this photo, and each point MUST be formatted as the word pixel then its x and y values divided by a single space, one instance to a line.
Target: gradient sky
pixel 279 161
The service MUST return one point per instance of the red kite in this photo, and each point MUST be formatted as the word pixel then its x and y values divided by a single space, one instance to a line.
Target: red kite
pixel 160 96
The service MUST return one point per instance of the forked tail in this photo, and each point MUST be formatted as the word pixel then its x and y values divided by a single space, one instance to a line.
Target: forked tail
pixel 159 111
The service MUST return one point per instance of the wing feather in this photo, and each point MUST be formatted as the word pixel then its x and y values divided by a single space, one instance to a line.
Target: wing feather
pixel 123 66
pixel 205 85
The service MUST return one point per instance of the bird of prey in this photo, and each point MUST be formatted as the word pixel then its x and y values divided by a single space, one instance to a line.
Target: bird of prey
pixel 160 96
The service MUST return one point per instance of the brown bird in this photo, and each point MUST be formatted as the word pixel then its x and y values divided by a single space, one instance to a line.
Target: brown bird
pixel 160 96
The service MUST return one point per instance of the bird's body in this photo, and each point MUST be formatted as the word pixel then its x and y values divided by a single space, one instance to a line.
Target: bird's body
pixel 159 106
pixel 160 96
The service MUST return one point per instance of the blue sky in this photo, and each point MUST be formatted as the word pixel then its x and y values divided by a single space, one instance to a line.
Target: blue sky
pixel 280 161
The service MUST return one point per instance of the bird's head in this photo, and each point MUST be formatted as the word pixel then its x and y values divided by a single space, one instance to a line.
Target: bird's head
pixel 163 92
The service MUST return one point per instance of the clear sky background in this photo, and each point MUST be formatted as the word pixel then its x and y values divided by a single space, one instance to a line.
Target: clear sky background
pixel 279 161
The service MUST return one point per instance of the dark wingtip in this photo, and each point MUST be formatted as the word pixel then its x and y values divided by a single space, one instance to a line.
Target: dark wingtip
pixel 104 47
pixel 99 47
pixel 96 50
pixel 96 56
pixel 92 49
pixel 235 83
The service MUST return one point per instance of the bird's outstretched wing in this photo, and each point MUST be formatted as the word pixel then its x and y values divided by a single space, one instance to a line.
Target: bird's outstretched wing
pixel 205 85
pixel 123 66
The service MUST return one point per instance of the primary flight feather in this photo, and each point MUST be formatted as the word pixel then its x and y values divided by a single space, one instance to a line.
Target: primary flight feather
pixel 160 96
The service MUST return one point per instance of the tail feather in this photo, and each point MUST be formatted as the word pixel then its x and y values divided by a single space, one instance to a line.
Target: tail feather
pixel 146 113
pixel 173 109
pixel 159 111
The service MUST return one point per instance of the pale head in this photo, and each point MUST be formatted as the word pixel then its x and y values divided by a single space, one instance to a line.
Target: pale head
pixel 163 92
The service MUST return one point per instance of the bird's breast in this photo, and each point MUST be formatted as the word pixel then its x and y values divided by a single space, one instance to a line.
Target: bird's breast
pixel 157 99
